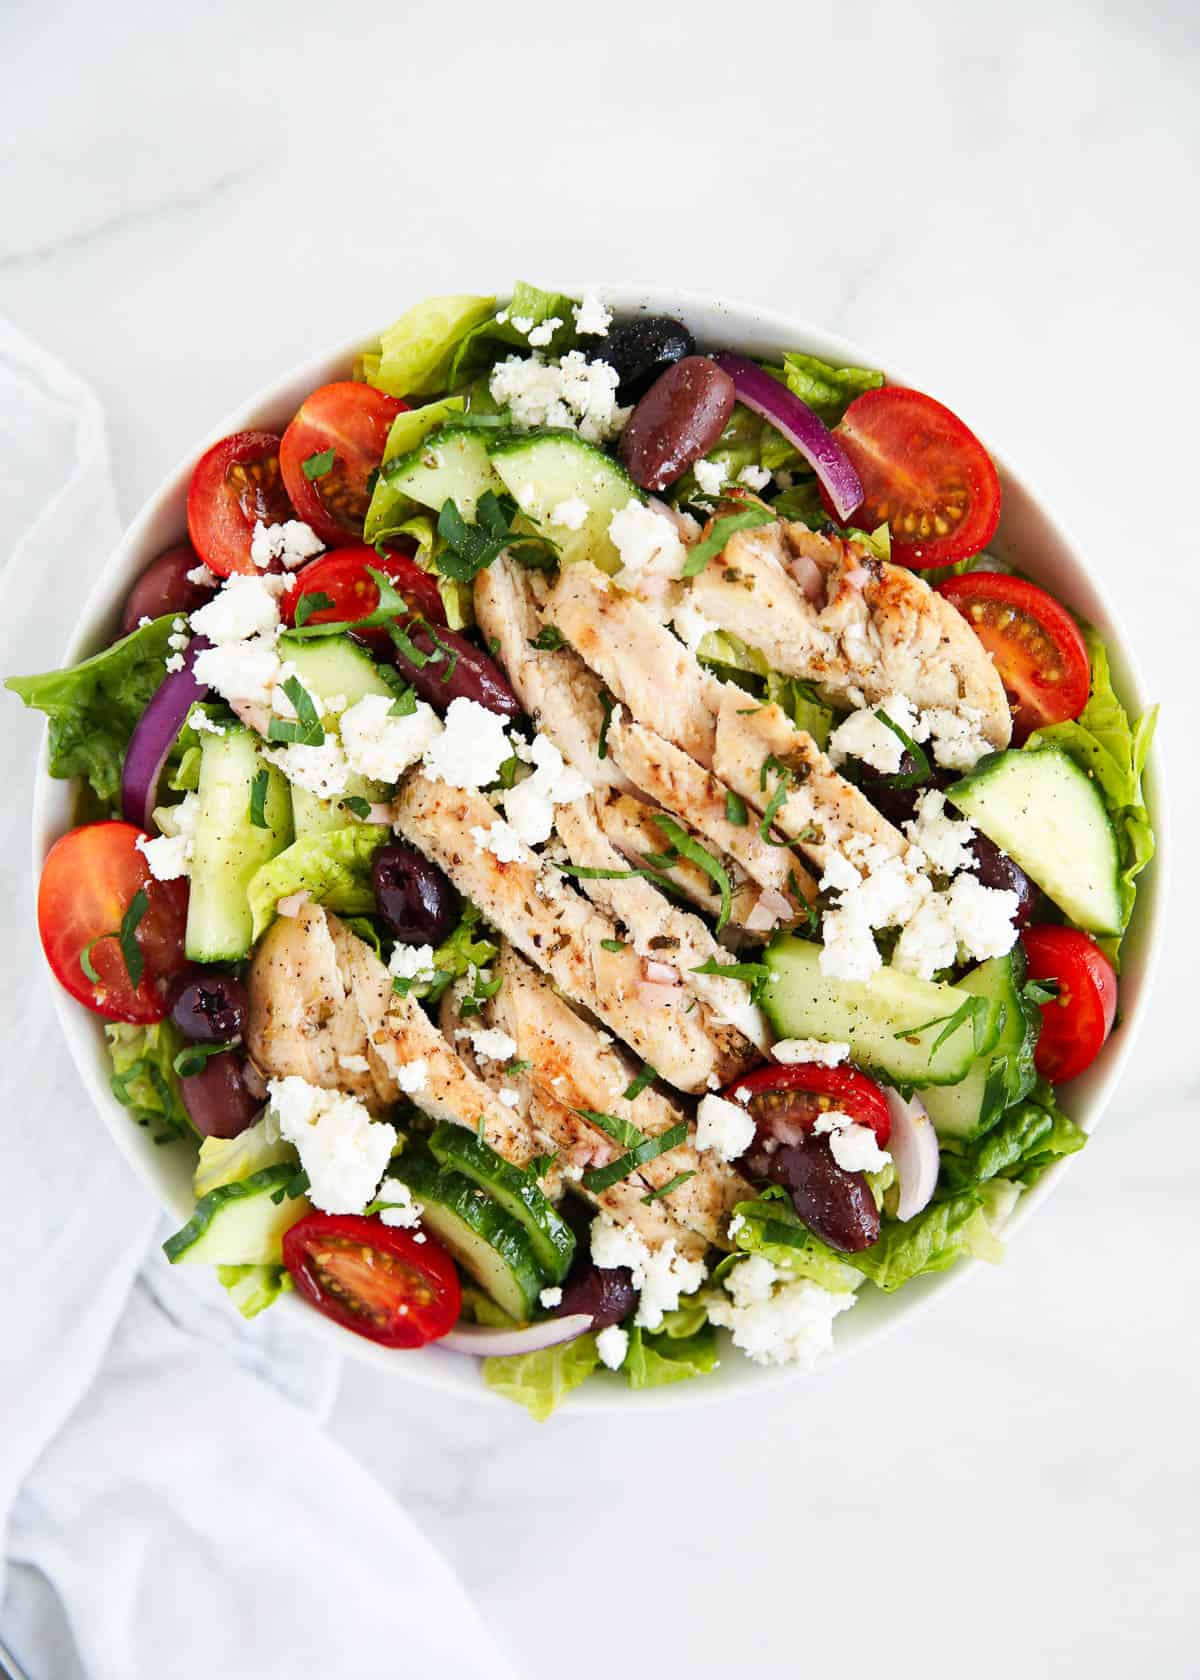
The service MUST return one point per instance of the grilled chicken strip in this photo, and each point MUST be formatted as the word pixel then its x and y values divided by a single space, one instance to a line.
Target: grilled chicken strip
pixel 658 930
pixel 574 1067
pixel 860 627
pixel 821 808
pixel 679 784
pixel 629 824
pixel 641 662
pixel 559 930
pixel 555 687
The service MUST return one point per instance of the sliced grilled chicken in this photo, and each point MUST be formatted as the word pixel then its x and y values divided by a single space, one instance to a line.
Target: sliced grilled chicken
pixel 860 627
pixel 560 931
pixel 629 824
pixel 573 1066
pixel 555 687
pixel 658 930
pixel 677 783
pixel 821 808
pixel 641 662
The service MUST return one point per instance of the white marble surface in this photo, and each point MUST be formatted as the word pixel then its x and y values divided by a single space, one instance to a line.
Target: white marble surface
pixel 1004 202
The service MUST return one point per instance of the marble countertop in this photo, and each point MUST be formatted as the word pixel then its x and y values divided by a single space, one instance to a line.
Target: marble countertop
pixel 195 200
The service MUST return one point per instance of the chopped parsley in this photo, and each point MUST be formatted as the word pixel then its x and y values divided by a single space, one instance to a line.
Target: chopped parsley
pixel 649 1150
pixel 307 730
pixel 549 639
pixel 316 466
pixel 126 938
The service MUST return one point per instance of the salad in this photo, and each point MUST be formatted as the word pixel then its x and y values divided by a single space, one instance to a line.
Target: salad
pixel 589 850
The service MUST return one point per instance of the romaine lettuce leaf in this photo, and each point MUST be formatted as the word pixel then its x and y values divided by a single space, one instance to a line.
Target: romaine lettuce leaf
pixel 462 950
pixel 492 340
pixel 541 1381
pixel 144 1080
pixel 654 1360
pixel 747 441
pixel 334 867
pixel 1112 750
pixel 929 1243
pixel 415 351
pixel 1024 1142
pixel 829 390
pixel 94 707
pixel 770 1226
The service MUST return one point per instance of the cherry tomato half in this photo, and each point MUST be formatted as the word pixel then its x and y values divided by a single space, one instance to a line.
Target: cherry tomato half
pixel 923 474
pixel 1035 645
pixel 353 421
pixel 89 880
pixel 1075 1023
pixel 234 485
pixel 342 575
pixel 796 1094
pixel 374 1279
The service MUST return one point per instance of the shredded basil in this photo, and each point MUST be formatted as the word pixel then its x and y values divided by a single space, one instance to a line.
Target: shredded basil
pixel 549 639
pixel 621 1131
pixel 694 852
pixel 607 702
pixel 613 945
pixel 638 1084
pixel 735 809
pixel 923 770
pixel 392 605
pixel 666 1189
pixel 650 1150
pixel 192 1058
pixel 782 785
pixel 719 534
pixel 356 805
pixel 126 938
pixel 976 1010
pixel 307 731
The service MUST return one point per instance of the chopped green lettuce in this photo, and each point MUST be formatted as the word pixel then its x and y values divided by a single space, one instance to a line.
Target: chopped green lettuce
pixel 826 389
pixel 1024 1142
pixel 94 707
pixel 253 1288
pixel 653 1360
pixel 144 1080
pixel 493 339
pixel 770 1226
pixel 541 1381
pixel 226 1160
pixel 802 704
pixel 930 1242
pixel 415 352
pixel 1112 750
pixel 333 867
pixel 747 441
pixel 462 950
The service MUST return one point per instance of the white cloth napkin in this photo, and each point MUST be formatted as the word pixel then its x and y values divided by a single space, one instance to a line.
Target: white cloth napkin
pixel 165 1511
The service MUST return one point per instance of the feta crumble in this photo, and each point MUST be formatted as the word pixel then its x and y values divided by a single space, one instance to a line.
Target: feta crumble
pixel 245 607
pixel 510 1098
pixel 404 1211
pixel 755 478
pixel 570 392
pixel 540 336
pixel 958 741
pixel 945 841
pixel 691 626
pixel 571 514
pixel 647 542
pixel 382 747
pixel 168 855
pixel 343 1151
pixel 612 1345
pixel 322 771
pixel 864 736
pixel 592 317
pixel 202 577
pixel 412 1077
pixel 411 962
pixel 723 1127
pixel 551 1297
pixel 529 806
pixel 788 1051
pixel 490 1044
pixel 777 1322
pixel 501 840
pixel 852 1146
pixel 470 749
pixel 710 475
pixel 661 1275
pixel 293 542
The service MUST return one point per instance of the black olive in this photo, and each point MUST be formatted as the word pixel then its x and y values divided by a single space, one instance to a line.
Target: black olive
pixel 414 898
pixel 640 350
pixel 210 1007
pixel 996 869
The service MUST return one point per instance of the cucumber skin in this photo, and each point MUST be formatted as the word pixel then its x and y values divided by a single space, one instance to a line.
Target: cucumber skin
pixel 514 1189
pixel 412 474
pixel 228 848
pixel 457 1199
pixel 262 1183
pixel 1010 1074
pixel 571 466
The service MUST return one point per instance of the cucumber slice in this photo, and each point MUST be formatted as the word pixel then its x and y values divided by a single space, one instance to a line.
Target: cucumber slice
pixel 330 665
pixel 548 468
pixel 239 1224
pixel 449 465
pixel 516 1191
pixel 872 1016
pixel 1047 813
pixel 228 847
pixel 487 1242
pixel 968 1109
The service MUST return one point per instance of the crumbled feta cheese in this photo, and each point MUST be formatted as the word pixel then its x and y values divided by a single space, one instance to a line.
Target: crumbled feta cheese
pixel 541 335
pixel 412 1077
pixel 852 1146
pixel 723 1127
pixel 691 626
pixel 354 1064
pixel 815 1050
pixel 501 840
pixel 864 736
pixel 404 1211
pixel 647 542
pixel 343 1151
pixel 945 842
pixel 983 918
pixel 710 475
pixel 571 392
pixel 523 324
pixel 490 1044
pixel 293 542
pixel 840 875
pixel 755 478
pixel 144 620
pixel 551 1297
pixel 612 1344
pixel 592 317
pixel 173 662
pixel 928 941
pixel 199 720
pixel 202 577
pixel 169 854
pixel 509 1097
pixel 322 770
pixel 382 747
pixel 661 1275
pixel 240 670
pixel 571 514
pixel 958 741
pixel 735 1225
pixel 411 962
pixel 848 948
pixel 470 749
pixel 245 607
pixel 777 1322
pixel 529 806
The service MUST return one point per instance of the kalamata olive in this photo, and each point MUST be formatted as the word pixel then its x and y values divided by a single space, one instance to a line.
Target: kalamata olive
pixel 897 804
pixel 678 420
pixel 218 1099
pixel 209 1007
pixel 413 896
pixel 836 1205
pixel 456 669
pixel 164 587
pixel 640 350
pixel 996 869
pixel 605 1292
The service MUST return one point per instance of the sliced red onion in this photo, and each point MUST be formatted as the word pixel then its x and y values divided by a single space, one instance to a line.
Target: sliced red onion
pixel 154 736
pixel 809 576
pixel 914 1149
pixel 485 1343
pixel 805 430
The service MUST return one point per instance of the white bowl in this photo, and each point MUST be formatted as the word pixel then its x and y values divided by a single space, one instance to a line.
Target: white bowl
pixel 1027 536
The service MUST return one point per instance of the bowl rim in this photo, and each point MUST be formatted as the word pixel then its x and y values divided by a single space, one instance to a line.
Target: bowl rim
pixel 83 1030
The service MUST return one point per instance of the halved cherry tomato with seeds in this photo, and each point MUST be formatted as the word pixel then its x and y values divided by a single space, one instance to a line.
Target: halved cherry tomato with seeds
pixel 374 1279
pixel 924 475
pixel 90 879
pixel 352 421
pixel 798 1093
pixel 343 576
pixel 235 484
pixel 1078 1019
pixel 1035 644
